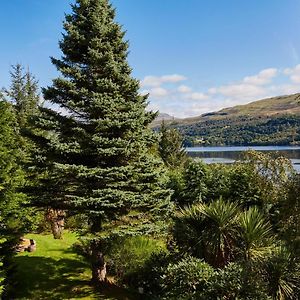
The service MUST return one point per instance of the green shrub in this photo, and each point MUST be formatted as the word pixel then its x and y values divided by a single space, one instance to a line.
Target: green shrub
pixel 182 280
pixel 282 274
pixel 195 188
pixel 127 256
pixel 176 184
pixel 150 274
pixel 76 222
pixel 234 282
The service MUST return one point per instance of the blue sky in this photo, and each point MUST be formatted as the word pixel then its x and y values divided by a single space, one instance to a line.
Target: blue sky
pixel 192 56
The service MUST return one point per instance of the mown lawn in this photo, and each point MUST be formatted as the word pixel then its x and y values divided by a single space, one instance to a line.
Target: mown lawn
pixel 55 271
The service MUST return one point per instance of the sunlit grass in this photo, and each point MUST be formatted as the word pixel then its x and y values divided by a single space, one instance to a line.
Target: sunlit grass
pixel 55 271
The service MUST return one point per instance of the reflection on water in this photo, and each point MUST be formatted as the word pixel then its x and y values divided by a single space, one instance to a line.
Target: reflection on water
pixel 231 154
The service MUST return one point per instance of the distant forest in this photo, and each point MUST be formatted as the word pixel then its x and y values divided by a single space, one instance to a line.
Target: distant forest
pixel 243 130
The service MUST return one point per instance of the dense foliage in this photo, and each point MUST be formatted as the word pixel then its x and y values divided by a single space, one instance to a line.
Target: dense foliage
pixel 23 93
pixel 18 104
pixel 235 220
pixel 161 224
pixel 12 221
pixel 170 147
pixel 243 131
pixel 94 153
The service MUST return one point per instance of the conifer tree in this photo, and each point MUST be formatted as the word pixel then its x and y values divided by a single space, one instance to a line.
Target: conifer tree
pixel 171 147
pixel 11 179
pixel 23 93
pixel 94 151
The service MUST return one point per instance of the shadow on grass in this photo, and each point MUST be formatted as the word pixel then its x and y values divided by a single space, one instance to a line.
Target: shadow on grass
pixel 111 291
pixel 47 278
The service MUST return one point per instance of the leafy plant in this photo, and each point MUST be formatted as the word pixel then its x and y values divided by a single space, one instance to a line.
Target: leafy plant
pixel 283 275
pixel 256 238
pixel 208 231
pixel 127 256
pixel 182 280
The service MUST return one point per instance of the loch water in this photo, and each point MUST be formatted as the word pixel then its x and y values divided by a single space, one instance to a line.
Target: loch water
pixel 230 154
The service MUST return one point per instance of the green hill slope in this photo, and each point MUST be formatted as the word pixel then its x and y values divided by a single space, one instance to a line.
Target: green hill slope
pixel 273 121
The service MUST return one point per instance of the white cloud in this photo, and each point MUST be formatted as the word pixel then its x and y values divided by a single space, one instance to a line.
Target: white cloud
pixel 250 88
pixel 184 89
pixel 293 73
pixel 181 100
pixel 284 89
pixel 262 78
pixel 156 81
pixel 158 92
pixel 153 107
pixel 212 90
pixel 241 90
pixel 198 96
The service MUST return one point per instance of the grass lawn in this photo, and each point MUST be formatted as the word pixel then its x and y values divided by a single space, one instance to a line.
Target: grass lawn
pixel 55 271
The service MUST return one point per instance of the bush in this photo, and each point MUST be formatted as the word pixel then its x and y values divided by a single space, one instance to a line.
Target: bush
pixel 149 276
pixel 230 283
pixel 76 222
pixel 127 256
pixel 282 273
pixel 182 280
pixel 234 282
pixel 176 184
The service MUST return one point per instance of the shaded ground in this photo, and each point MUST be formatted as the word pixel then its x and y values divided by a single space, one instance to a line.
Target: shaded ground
pixel 54 271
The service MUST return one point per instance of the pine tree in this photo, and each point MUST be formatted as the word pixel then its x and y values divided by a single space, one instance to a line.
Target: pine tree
pixel 11 179
pixel 171 147
pixel 94 151
pixel 23 93
pixel 32 95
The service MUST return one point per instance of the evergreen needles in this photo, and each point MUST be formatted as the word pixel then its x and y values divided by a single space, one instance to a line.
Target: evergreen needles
pixel 94 143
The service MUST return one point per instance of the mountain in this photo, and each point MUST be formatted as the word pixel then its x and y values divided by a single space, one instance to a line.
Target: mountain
pixel 162 117
pixel 272 121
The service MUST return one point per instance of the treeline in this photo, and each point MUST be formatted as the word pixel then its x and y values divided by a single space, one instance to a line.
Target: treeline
pixel 243 131
pixel 18 103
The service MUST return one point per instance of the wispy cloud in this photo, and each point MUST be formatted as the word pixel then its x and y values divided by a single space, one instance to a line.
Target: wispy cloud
pixel 293 73
pixel 263 77
pixel 184 89
pixel 198 96
pixel 155 81
pixel 182 100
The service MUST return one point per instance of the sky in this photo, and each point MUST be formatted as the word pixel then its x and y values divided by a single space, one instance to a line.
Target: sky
pixel 191 56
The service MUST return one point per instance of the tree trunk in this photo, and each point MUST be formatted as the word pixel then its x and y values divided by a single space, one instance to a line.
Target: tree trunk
pixel 98 265
pixel 56 218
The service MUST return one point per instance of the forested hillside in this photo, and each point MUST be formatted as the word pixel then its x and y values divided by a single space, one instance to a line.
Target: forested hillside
pixel 273 121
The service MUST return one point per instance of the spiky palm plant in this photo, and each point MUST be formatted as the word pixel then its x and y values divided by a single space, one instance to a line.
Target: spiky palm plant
pixel 255 233
pixel 282 274
pixel 209 231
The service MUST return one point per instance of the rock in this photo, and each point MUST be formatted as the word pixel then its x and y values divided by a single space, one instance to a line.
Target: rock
pixel 26 245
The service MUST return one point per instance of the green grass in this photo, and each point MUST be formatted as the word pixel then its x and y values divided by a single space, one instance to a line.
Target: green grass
pixel 54 271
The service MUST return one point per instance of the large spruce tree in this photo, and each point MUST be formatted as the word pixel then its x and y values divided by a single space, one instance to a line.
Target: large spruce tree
pixel 95 150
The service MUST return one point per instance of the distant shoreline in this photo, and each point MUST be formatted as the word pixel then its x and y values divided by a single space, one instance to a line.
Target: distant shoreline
pixel 240 148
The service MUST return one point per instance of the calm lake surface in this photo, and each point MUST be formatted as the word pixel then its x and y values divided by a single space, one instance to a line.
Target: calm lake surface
pixel 231 154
